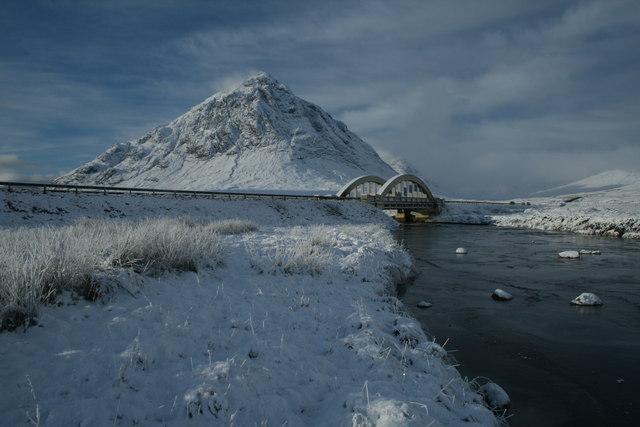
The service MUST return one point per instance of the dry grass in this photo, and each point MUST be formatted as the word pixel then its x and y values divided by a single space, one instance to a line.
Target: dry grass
pixel 38 264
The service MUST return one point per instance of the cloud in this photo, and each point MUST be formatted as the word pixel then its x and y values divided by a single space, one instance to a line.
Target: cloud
pixel 12 161
pixel 467 91
pixel 14 169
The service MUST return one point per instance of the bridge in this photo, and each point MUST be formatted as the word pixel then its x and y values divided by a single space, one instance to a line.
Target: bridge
pixel 405 193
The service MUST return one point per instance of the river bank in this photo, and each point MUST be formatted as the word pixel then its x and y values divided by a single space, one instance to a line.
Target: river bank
pixel 293 323
pixel 611 213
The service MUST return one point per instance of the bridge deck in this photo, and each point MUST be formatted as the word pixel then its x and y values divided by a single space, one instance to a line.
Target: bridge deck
pixel 395 202
pixel 381 202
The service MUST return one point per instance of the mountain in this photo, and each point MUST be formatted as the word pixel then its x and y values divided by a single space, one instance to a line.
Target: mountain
pixel 603 181
pixel 257 136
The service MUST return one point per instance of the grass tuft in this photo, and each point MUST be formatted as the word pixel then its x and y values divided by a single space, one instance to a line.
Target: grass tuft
pixel 310 255
pixel 38 264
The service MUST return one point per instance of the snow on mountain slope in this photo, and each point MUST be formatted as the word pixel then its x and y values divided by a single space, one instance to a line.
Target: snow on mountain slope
pixel 258 136
pixel 602 181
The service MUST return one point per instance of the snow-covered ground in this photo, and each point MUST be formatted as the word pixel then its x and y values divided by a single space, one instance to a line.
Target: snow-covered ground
pixel 614 212
pixel 261 336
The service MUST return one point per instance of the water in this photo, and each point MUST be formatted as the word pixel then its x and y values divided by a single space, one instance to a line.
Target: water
pixel 561 365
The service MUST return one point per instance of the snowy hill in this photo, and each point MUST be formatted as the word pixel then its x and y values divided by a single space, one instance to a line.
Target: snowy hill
pixel 603 181
pixel 257 136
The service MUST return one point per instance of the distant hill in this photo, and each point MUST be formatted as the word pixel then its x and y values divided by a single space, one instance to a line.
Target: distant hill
pixel 603 181
pixel 256 136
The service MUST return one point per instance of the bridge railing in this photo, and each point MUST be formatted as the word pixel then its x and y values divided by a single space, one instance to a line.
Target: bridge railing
pixel 381 202
pixel 401 202
pixel 104 190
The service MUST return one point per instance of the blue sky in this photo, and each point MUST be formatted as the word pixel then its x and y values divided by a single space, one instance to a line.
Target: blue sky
pixel 485 98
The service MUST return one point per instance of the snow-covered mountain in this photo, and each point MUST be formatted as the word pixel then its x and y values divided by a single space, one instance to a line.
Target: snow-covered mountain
pixel 257 136
pixel 603 181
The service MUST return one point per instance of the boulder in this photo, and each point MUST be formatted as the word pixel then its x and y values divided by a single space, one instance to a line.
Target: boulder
pixel 495 396
pixel 569 254
pixel 586 299
pixel 588 252
pixel 500 295
pixel 461 251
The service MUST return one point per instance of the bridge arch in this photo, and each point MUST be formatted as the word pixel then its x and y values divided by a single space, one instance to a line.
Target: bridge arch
pixel 366 184
pixel 406 185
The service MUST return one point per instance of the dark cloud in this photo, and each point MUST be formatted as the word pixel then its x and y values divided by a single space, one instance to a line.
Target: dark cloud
pixel 489 99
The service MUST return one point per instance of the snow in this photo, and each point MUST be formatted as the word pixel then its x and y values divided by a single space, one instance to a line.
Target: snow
pixel 257 136
pixel 495 396
pixel 501 295
pixel 589 252
pixel 614 213
pixel 569 254
pixel 602 181
pixel 257 338
pixel 587 298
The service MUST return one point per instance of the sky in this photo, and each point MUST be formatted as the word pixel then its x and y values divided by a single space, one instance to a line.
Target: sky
pixel 486 99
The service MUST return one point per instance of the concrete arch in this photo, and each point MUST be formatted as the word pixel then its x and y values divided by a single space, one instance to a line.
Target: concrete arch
pixel 405 185
pixel 366 184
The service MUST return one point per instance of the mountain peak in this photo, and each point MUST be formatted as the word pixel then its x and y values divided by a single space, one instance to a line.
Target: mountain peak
pixel 260 79
pixel 259 135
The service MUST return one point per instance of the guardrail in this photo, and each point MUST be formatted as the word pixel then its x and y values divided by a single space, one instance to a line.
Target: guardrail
pixel 400 202
pixel 96 189
pixel 388 202
pixel 484 202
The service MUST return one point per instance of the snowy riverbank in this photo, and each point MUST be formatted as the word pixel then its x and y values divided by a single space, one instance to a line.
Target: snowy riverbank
pixel 294 323
pixel 613 213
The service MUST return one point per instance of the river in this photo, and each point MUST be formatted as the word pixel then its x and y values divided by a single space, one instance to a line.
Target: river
pixel 561 365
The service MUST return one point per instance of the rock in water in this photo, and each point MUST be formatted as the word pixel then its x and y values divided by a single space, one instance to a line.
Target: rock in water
pixel 495 396
pixel 500 295
pixel 588 252
pixel 424 304
pixel 461 251
pixel 587 299
pixel 569 254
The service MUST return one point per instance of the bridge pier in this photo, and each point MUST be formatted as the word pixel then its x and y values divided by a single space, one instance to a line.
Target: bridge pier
pixel 406 215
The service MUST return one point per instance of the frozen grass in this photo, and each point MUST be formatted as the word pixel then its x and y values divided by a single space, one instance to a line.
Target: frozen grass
pixel 156 246
pixel 309 254
pixel 299 257
pixel 38 264
pixel 322 235
pixel 227 226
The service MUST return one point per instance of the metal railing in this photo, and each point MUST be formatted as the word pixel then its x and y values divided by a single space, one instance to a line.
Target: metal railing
pixel 401 202
pixel 485 202
pixel 382 202
pixel 104 190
